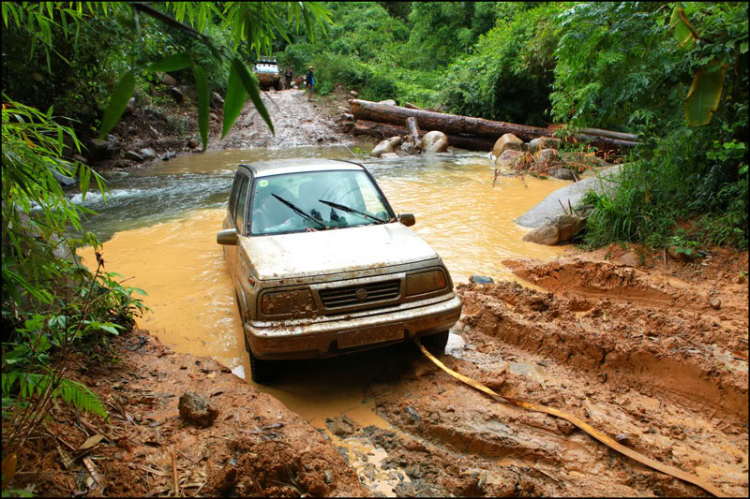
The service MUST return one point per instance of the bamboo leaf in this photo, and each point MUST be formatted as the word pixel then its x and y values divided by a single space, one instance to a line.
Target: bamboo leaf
pixel 251 86
pixel 201 86
pixel 117 103
pixel 234 100
pixel 173 63
pixel 704 95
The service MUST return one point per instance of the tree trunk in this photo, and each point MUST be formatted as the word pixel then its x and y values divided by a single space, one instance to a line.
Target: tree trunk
pixel 409 105
pixel 386 130
pixel 411 125
pixel 455 125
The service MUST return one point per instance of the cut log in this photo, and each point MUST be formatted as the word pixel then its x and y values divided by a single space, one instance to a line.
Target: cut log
pixel 411 125
pixel 409 105
pixel 386 130
pixel 452 124
pixel 598 132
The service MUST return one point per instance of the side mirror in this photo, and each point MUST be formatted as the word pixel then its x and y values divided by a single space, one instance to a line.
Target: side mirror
pixel 407 219
pixel 228 237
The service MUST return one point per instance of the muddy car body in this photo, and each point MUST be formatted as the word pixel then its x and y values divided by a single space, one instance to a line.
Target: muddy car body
pixel 267 71
pixel 344 282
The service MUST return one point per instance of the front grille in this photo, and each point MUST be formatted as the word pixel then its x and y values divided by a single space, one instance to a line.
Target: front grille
pixel 361 294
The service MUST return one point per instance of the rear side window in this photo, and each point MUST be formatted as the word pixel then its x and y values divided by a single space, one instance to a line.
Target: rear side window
pixel 233 195
pixel 239 217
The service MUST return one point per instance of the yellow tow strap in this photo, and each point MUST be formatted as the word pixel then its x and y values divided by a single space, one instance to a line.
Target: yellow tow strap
pixel 603 438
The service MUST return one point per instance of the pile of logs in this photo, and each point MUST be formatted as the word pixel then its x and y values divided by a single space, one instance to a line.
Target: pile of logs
pixel 383 120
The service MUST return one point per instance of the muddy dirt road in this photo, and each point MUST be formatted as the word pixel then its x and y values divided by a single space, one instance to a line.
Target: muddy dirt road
pixel 296 121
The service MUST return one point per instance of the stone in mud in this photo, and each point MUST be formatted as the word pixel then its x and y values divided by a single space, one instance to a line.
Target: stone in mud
pixel 197 410
pixel 561 174
pixel 193 143
pixel 507 141
pixel 631 258
pixel 715 303
pixel 147 153
pixel 543 143
pixel 435 141
pixel 341 426
pixel 101 150
pixel 556 231
pixel 132 155
pixel 478 279
pixel 413 414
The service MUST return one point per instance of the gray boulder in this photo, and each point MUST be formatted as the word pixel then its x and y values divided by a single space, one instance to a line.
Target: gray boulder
pixel 506 142
pixel 558 230
pixel 102 150
pixel 385 146
pixel 561 173
pixel 167 80
pixel 132 155
pixel 435 141
pixel 552 205
pixel 147 153
pixel 510 158
pixel 543 143
pixel 546 156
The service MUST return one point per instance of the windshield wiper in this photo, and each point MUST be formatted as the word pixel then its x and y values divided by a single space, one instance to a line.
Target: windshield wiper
pixel 351 210
pixel 299 212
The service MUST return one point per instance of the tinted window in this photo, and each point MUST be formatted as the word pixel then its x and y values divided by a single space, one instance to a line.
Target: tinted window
pixel 233 195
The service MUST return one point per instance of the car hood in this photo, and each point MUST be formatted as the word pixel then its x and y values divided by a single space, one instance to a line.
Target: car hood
pixel 332 251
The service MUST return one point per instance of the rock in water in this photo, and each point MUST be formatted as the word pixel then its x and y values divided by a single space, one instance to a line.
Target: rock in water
pixel 558 230
pixel 507 141
pixel 543 143
pixel 196 410
pixel 435 141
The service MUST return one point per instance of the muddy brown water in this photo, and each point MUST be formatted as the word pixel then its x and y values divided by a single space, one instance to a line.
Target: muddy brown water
pixel 160 222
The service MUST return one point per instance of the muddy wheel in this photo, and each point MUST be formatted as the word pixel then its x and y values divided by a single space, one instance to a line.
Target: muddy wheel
pixel 260 370
pixel 435 343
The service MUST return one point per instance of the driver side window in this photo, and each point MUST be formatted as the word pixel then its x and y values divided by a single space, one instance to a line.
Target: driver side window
pixel 240 205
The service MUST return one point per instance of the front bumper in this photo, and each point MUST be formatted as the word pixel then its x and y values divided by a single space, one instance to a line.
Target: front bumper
pixel 319 340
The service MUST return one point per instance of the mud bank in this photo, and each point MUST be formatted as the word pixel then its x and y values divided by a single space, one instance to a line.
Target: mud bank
pixel 666 377
pixel 256 446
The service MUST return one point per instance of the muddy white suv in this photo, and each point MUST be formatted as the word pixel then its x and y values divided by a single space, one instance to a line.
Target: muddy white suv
pixel 322 266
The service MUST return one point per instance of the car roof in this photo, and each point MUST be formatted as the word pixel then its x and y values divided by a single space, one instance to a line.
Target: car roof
pixel 299 165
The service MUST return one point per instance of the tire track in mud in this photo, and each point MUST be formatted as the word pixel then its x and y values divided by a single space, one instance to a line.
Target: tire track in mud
pixel 657 378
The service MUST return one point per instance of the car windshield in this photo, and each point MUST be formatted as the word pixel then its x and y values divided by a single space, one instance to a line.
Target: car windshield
pixel 352 190
pixel 266 68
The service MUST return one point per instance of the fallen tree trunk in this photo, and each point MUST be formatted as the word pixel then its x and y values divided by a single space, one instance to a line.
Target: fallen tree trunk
pixel 452 124
pixel 411 125
pixel 386 130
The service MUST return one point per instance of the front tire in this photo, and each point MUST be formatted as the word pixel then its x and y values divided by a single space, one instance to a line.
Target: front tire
pixel 261 371
pixel 436 343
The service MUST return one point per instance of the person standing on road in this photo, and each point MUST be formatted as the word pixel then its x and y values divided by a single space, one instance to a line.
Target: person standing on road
pixel 288 75
pixel 310 83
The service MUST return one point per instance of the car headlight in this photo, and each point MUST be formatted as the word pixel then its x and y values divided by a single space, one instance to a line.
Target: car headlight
pixel 425 282
pixel 297 303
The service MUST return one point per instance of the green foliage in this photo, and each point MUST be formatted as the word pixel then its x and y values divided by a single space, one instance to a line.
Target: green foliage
pixel 509 74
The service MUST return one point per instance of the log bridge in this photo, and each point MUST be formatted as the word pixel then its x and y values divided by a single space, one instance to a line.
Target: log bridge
pixel 382 120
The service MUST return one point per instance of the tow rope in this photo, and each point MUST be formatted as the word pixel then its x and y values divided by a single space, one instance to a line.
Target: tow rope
pixel 602 437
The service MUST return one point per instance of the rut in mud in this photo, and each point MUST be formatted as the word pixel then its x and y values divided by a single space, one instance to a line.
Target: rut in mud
pixel 668 380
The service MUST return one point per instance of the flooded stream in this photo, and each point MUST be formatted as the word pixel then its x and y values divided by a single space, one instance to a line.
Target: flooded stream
pixel 160 222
